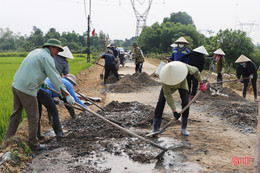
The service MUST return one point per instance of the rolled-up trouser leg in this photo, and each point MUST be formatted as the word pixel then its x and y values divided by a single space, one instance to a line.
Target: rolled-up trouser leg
pixel 184 94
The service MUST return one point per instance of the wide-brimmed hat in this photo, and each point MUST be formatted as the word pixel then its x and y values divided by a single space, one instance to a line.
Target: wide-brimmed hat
pixel 66 53
pixel 181 40
pixel 173 73
pixel 110 51
pixel 219 52
pixel 110 45
pixel 242 58
pixel 201 50
pixel 71 78
pixel 53 42
pixel 134 44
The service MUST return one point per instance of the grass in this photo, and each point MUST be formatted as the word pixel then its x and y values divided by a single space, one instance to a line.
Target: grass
pixel 8 67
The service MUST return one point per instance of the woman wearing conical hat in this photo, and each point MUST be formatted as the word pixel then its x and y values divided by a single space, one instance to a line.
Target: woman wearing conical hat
pixel 220 64
pixel 196 59
pixel 247 69
pixel 179 50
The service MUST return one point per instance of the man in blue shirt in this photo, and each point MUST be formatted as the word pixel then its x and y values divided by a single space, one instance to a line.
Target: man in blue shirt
pixel 109 64
pixel 45 97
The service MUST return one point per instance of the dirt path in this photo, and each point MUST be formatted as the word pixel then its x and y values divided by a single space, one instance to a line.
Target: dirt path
pixel 218 132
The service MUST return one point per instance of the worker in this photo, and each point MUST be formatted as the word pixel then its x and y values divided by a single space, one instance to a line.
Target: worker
pixel 109 64
pixel 179 50
pixel 196 59
pixel 62 65
pixel 248 70
pixel 173 77
pixel 220 64
pixel 45 97
pixel 139 58
pixel 61 61
pixel 35 68
pixel 113 48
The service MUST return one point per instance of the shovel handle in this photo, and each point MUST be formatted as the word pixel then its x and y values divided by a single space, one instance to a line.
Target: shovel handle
pixel 92 102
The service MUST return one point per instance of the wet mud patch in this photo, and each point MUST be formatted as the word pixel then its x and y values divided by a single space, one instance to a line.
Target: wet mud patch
pixel 132 83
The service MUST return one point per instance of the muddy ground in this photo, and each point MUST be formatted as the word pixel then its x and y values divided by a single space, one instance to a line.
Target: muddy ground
pixel 222 125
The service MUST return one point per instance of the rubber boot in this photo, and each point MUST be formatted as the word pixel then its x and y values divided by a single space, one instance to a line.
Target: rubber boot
pixel 39 135
pixel 156 125
pixel 184 123
pixel 58 130
pixel 72 113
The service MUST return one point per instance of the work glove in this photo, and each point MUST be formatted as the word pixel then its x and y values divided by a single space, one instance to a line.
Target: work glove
pixel 44 85
pixel 203 87
pixel 70 100
pixel 59 102
pixel 251 76
pixel 176 115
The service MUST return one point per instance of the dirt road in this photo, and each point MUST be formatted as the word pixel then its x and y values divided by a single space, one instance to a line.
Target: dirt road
pixel 222 129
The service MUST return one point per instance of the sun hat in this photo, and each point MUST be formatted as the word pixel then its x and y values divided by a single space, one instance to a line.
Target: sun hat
pixel 53 42
pixel 71 78
pixel 201 50
pixel 181 40
pixel 66 53
pixel 173 73
pixel 219 52
pixel 110 51
pixel 242 58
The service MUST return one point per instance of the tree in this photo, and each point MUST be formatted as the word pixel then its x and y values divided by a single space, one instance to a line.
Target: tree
pixel 36 37
pixel 181 17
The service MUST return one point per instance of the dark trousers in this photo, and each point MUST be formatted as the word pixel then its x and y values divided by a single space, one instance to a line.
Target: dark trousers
pixel 70 109
pixel 138 67
pixel 48 102
pixel 193 84
pixel 219 78
pixel 254 85
pixel 184 94
pixel 108 68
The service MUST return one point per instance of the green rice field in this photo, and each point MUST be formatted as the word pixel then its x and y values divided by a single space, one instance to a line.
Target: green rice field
pixel 8 67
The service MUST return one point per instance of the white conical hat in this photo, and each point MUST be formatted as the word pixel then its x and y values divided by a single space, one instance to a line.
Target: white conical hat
pixel 66 53
pixel 173 45
pixel 219 52
pixel 201 49
pixel 173 73
pixel 181 40
pixel 242 58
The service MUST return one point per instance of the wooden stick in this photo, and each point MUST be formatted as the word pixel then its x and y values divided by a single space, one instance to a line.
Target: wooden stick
pixel 92 102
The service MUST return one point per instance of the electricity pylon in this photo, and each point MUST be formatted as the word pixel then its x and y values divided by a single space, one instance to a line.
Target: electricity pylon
pixel 140 17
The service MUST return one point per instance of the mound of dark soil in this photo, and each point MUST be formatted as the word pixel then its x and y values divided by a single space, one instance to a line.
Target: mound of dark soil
pixel 230 105
pixel 132 83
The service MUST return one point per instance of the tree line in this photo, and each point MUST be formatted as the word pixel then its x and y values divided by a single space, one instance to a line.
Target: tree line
pixel 156 38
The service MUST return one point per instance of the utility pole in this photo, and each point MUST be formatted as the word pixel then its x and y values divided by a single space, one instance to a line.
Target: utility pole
pixel 88 36
pixel 140 17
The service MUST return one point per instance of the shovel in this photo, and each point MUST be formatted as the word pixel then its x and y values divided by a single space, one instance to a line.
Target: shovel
pixel 91 102
pixel 101 75
pixel 120 128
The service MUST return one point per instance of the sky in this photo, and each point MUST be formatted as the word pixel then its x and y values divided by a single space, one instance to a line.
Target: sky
pixel 117 18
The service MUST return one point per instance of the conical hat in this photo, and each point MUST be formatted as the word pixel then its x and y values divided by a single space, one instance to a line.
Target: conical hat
pixel 181 40
pixel 201 49
pixel 66 53
pixel 219 52
pixel 173 73
pixel 242 58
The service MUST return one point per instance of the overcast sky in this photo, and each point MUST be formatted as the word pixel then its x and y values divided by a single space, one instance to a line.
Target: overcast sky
pixel 117 18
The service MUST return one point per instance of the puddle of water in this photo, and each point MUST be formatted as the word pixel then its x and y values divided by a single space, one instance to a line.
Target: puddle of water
pixel 170 162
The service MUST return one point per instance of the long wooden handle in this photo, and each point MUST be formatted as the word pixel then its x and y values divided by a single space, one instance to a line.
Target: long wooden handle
pixel 91 101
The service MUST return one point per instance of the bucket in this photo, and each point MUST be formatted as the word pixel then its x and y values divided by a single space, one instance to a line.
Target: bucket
pixel 160 67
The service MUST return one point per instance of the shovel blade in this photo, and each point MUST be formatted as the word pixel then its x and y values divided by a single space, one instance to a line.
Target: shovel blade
pixel 101 76
pixel 160 155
